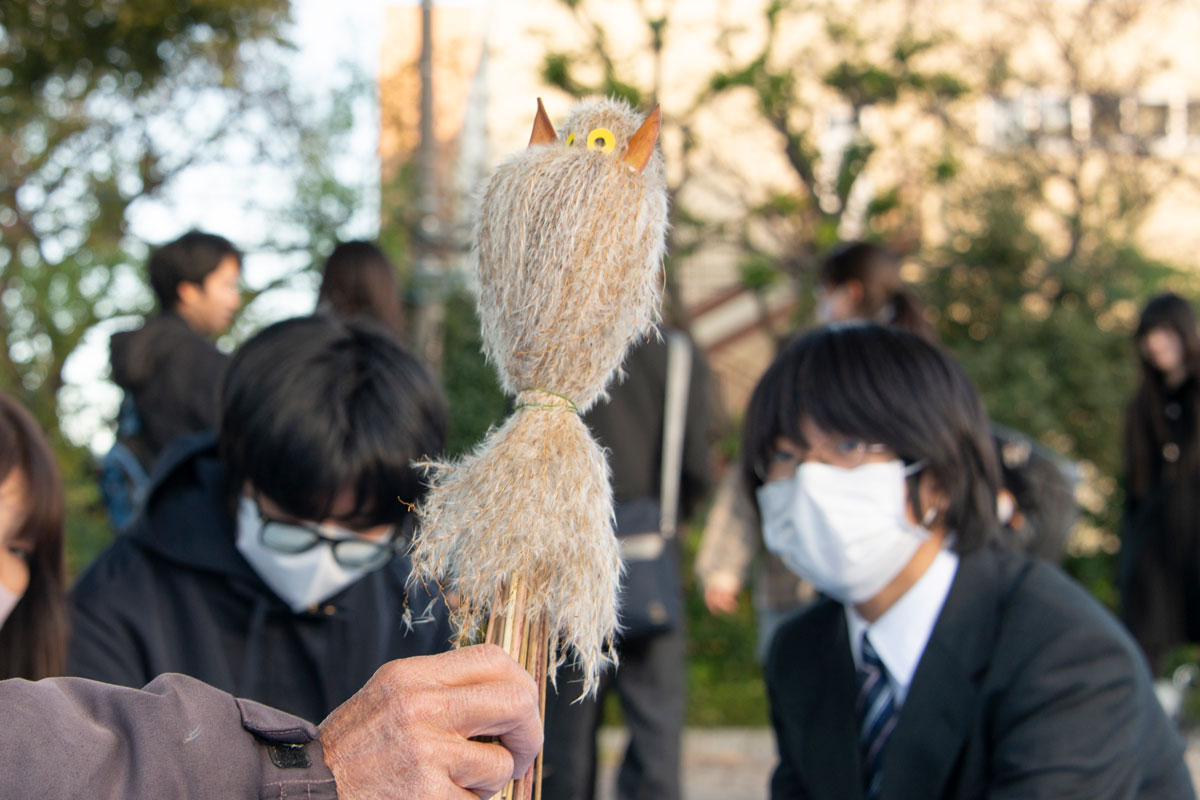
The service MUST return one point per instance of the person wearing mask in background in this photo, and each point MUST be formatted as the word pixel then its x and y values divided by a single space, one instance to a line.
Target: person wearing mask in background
pixel 170 369
pixel 33 615
pixel 858 280
pixel 408 733
pixel 269 559
pixel 360 282
pixel 936 665
pixel 1159 564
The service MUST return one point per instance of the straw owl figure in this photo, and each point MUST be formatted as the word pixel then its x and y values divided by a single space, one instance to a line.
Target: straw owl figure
pixel 568 250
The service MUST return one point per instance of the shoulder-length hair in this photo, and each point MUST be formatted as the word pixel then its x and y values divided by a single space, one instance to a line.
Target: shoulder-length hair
pixel 1146 427
pixel 33 640
pixel 360 281
pixel 887 386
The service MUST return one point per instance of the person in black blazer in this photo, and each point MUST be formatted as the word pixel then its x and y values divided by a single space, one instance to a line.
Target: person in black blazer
pixel 937 665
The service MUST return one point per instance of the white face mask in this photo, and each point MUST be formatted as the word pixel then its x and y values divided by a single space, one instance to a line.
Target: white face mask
pixel 845 530
pixel 302 579
pixel 8 601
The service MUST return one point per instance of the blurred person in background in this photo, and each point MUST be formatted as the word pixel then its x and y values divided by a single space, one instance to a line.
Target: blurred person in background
pixel 269 560
pixel 858 280
pixel 1036 503
pixel 360 282
pixel 33 617
pixel 861 280
pixel 1159 565
pixel 170 369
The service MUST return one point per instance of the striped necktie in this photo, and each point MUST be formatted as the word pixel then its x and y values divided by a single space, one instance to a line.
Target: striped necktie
pixel 876 709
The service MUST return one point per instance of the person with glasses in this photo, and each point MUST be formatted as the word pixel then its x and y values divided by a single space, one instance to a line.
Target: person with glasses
pixel 269 559
pixel 936 664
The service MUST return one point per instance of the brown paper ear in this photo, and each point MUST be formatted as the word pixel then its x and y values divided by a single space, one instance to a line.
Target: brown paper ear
pixel 543 131
pixel 641 144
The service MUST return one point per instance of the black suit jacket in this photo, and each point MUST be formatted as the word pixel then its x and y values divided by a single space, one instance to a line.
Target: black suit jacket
pixel 1027 689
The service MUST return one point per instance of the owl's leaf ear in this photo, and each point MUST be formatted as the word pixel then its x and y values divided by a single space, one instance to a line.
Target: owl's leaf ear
pixel 641 144
pixel 543 131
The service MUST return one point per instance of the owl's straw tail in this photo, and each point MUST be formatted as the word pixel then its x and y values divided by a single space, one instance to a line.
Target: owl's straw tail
pixel 531 506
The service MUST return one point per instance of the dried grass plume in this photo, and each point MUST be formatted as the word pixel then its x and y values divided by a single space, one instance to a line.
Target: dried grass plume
pixel 568 252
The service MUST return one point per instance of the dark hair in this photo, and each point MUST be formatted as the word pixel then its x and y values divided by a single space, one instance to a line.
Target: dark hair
pixel 1042 486
pixel 888 386
pixel 360 281
pixel 1147 429
pixel 33 640
pixel 884 298
pixel 188 259
pixel 315 406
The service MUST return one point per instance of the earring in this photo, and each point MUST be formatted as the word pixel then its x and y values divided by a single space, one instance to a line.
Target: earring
pixel 931 514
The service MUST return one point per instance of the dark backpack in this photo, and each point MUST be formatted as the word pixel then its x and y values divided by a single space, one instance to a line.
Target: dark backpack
pixel 124 474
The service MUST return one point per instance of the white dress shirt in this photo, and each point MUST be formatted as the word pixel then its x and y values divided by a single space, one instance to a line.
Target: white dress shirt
pixel 900 634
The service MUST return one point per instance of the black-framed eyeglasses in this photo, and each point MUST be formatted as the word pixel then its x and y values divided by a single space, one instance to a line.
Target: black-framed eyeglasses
pixel 353 552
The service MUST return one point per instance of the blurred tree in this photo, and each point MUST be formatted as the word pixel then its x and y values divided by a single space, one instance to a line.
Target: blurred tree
pixel 1048 342
pixel 826 97
pixel 824 192
pixel 105 104
pixel 1040 280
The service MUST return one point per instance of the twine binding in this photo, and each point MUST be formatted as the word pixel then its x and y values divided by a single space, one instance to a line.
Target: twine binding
pixel 545 399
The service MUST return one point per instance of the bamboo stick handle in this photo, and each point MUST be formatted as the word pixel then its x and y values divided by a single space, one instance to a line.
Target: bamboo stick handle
pixel 543 667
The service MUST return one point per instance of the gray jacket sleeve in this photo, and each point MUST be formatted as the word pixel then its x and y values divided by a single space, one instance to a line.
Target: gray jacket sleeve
pixel 731 537
pixel 178 738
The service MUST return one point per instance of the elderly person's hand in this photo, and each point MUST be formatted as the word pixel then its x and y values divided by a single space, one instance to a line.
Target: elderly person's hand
pixel 407 733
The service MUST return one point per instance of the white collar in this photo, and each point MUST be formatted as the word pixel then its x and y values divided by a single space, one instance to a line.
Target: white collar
pixel 899 636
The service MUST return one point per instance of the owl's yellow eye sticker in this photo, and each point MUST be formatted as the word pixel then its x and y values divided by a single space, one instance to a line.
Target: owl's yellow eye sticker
pixel 601 139
pixel 570 138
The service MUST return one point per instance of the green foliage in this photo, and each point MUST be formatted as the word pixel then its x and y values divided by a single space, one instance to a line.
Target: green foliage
pixel 758 271
pixel 88 531
pixel 883 203
pixel 556 71
pixel 945 86
pixel 864 84
pixel 476 400
pixel 725 685
pixel 133 45
pixel 1048 342
pixel 945 169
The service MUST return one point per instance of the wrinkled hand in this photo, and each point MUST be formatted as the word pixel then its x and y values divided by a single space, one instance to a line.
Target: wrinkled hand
pixel 406 733
pixel 720 601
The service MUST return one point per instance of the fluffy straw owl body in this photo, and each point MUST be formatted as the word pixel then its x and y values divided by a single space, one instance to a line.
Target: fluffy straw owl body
pixel 569 247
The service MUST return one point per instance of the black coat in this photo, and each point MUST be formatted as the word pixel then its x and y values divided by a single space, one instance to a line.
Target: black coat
pixel 1027 689
pixel 1159 562
pixel 630 425
pixel 173 375
pixel 175 595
